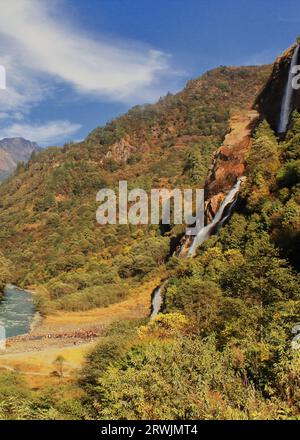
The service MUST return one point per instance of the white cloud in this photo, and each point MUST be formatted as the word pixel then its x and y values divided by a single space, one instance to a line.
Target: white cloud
pixel 48 45
pixel 23 88
pixel 43 134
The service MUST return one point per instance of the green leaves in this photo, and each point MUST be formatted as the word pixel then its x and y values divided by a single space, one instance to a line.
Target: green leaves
pixel 6 272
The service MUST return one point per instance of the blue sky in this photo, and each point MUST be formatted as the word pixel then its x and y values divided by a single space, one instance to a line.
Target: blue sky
pixel 74 64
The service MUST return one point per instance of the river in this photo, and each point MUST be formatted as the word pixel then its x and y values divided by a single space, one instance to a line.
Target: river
pixel 16 311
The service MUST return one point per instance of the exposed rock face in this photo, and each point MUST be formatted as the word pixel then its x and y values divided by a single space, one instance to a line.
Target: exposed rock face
pixel 268 102
pixel 229 160
pixel 121 150
pixel 12 151
pixel 228 165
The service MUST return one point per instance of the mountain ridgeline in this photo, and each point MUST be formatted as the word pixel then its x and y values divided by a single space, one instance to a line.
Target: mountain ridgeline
pixel 13 151
pixel 222 346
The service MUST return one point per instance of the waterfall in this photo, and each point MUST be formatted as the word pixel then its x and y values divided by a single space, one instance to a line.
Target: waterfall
pixel 156 301
pixel 227 204
pixel 286 103
pixel 221 216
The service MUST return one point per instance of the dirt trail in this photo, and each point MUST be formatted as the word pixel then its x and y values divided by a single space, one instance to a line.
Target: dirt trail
pixel 28 373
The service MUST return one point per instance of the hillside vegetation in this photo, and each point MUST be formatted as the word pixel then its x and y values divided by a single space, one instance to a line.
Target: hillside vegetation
pixel 47 209
pixel 223 347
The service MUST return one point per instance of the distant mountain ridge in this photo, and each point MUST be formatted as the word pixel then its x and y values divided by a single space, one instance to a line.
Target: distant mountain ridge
pixel 12 151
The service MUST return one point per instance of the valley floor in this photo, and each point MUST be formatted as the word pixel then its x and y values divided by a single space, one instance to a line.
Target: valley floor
pixel 71 335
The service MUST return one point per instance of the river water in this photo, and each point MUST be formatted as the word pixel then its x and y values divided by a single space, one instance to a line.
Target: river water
pixel 16 311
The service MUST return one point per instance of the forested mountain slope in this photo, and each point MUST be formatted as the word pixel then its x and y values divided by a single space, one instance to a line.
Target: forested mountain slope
pixel 224 345
pixel 47 213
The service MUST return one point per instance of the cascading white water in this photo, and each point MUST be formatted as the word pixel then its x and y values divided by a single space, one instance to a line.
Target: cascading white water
pixel 156 301
pixel 286 103
pixel 205 232
pixel 219 219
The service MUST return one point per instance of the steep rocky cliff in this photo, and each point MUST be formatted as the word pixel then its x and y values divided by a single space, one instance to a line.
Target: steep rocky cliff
pixel 229 160
pixel 268 102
